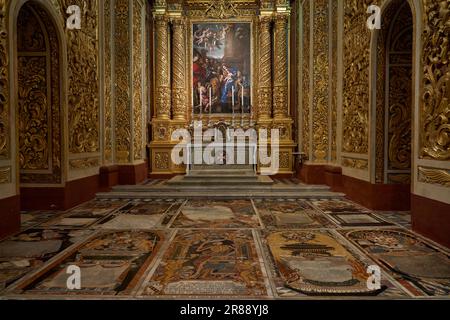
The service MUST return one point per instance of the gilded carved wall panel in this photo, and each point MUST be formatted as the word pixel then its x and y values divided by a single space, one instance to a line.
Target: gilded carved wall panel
pixel 320 117
pixel 108 129
pixel 356 41
pixel 83 72
pixel 34 107
pixel 4 84
pixel 39 104
pixel 435 111
pixel 334 77
pixel 399 121
pixel 137 80
pixel 306 76
pixel 394 95
pixel 122 72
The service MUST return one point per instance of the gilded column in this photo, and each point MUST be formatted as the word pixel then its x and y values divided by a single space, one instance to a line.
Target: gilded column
pixel 179 105
pixel 265 69
pixel 280 85
pixel 162 99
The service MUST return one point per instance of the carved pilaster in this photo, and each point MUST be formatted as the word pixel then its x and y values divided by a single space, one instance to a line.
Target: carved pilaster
pixel 4 82
pixel 162 71
pixel 122 112
pixel 265 69
pixel 280 85
pixel 179 102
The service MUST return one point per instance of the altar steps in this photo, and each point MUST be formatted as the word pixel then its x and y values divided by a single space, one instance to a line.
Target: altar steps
pixel 276 189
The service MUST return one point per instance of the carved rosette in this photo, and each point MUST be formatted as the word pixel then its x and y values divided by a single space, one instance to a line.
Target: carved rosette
pixel 179 101
pixel 4 83
pixel 162 100
pixel 265 69
pixel 280 86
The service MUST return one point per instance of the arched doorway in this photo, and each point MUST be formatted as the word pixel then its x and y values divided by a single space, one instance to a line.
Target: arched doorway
pixel 38 96
pixel 394 97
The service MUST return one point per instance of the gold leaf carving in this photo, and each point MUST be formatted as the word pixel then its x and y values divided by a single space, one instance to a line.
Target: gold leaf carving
pixel 83 87
pixel 280 72
pixel 221 9
pixel 321 83
pixel 4 85
pixel 356 75
pixel 108 131
pixel 306 76
pixel 162 68
pixel 179 92
pixel 137 80
pixel 84 163
pixel 122 70
pixel 162 160
pixel 435 113
pixel 434 176
pixel 265 69
pixel 5 175
pixel 360 164
pixel 38 97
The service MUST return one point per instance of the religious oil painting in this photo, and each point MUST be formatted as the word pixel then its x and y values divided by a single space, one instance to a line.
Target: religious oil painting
pixel 221 68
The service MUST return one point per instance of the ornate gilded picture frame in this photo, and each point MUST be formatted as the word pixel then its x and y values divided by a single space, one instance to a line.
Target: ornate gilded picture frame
pixel 221 66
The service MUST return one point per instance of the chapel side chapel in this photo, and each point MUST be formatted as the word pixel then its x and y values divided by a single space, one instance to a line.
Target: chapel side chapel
pixel 362 113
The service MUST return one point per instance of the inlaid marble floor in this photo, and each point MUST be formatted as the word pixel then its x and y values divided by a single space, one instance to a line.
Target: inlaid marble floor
pixel 225 249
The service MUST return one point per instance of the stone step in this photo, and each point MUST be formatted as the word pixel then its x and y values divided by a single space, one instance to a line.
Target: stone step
pixel 209 177
pixel 199 167
pixel 219 172
pixel 220 180
pixel 280 188
pixel 220 195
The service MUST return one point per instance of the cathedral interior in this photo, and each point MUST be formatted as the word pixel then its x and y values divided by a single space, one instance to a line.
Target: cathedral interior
pixel 97 94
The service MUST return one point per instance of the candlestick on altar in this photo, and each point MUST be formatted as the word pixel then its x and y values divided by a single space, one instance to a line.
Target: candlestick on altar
pixel 201 102
pixel 210 101
pixel 232 102
pixel 242 102
pixel 242 105
pixel 232 97
pixel 210 107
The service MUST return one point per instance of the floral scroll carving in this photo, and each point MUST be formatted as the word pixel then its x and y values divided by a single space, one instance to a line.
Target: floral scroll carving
pixel 4 83
pixel 435 113
pixel 356 75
